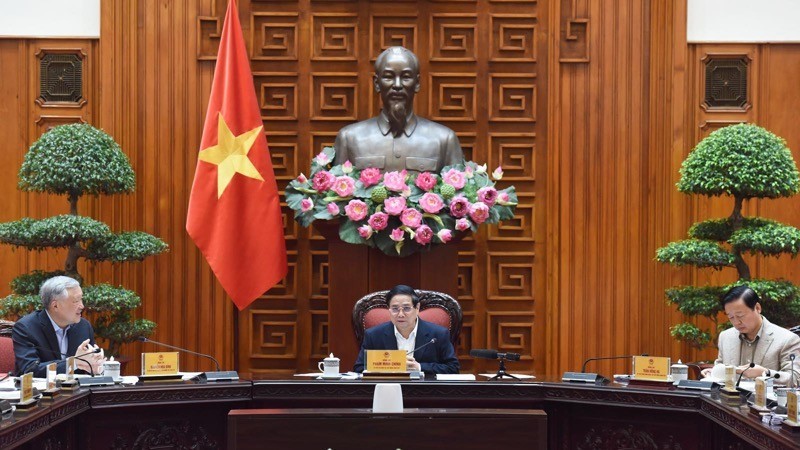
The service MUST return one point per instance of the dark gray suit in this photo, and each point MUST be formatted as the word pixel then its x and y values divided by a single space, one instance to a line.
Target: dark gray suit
pixel 36 330
pixel 424 146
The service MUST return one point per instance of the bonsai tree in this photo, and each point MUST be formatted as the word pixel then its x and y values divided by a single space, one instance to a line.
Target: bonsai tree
pixel 75 160
pixel 743 161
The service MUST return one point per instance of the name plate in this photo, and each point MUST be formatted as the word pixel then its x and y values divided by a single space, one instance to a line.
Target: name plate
pixel 26 388
pixel 164 363
pixel 791 406
pixel 761 391
pixel 651 368
pixel 52 370
pixel 70 368
pixel 386 361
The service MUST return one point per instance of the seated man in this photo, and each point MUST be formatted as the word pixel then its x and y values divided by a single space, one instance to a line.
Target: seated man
pixel 408 332
pixel 753 339
pixel 58 330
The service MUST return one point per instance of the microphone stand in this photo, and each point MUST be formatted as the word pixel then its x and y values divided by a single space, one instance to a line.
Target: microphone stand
pixel 501 371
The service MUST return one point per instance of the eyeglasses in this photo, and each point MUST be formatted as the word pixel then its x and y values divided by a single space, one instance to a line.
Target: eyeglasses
pixel 396 309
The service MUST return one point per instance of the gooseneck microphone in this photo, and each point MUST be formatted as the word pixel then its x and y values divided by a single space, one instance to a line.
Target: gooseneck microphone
pixel 421 346
pixel 750 366
pixel 600 358
pixel 493 354
pixel 144 339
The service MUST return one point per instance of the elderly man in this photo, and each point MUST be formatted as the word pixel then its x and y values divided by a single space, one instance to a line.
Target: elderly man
pixel 753 340
pixel 397 139
pixel 58 330
pixel 408 332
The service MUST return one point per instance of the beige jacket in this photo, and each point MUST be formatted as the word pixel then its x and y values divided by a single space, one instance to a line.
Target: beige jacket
pixel 772 351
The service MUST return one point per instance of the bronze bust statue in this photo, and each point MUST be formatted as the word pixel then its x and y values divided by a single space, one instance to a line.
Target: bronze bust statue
pixel 398 139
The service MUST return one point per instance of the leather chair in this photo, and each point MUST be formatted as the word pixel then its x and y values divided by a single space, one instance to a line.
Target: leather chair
pixel 434 307
pixel 6 347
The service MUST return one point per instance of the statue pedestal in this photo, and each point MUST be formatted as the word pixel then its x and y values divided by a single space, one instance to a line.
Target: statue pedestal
pixel 356 270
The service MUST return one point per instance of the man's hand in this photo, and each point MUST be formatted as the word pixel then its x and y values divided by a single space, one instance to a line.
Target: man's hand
pixel 751 372
pixel 705 373
pixel 88 361
pixel 412 364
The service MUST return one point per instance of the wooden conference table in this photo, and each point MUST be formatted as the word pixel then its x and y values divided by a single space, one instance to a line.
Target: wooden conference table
pixel 191 415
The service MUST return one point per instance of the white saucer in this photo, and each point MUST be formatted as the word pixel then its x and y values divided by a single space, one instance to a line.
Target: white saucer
pixel 330 377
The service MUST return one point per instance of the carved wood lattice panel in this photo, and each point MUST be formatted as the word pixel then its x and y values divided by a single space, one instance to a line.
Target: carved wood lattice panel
pixel 312 65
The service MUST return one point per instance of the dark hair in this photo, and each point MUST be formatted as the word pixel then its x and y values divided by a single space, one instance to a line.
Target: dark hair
pixel 402 289
pixel 745 293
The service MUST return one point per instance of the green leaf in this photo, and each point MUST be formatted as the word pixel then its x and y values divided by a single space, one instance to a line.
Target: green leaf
pixel 695 252
pixel 742 160
pixel 76 159
pixel 58 231
pixel 128 246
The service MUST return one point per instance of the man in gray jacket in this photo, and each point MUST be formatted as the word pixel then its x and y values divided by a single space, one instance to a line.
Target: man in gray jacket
pixel 753 340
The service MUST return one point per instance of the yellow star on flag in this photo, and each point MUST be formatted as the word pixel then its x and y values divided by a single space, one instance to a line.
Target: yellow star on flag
pixel 230 155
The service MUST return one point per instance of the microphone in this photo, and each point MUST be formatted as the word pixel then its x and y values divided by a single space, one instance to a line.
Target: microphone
pixel 742 374
pixel 421 346
pixel 583 369
pixel 791 376
pixel 218 375
pixel 493 354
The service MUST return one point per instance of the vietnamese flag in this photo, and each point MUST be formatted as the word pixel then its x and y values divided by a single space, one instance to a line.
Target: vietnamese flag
pixel 234 210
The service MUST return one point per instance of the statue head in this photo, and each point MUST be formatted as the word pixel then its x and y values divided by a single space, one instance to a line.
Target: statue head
pixel 397 80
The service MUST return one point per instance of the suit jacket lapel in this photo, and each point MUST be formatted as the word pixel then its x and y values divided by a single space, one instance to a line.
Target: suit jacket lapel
pixel 423 337
pixel 389 341
pixel 766 340
pixel 49 333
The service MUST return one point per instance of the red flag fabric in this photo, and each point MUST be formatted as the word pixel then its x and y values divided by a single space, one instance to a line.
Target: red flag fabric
pixel 234 213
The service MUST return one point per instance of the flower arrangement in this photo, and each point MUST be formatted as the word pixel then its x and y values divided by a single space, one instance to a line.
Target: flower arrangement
pixel 399 212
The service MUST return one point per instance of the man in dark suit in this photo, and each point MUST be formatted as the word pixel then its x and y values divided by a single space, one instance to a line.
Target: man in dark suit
pixel 58 330
pixel 408 332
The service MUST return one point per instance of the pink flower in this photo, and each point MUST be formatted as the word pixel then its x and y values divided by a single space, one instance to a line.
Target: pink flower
pixel 431 203
pixel 424 235
pixel 344 186
pixel 302 179
pixel 454 178
pixel 503 198
pixel 394 205
pixel 396 235
pixel 322 159
pixel 323 180
pixel 498 173
pixel 444 235
pixel 365 231
pixel 479 212
pixel 468 172
pixel 370 176
pixel 395 181
pixel 488 195
pixel 347 167
pixel 462 224
pixel 425 181
pixel 356 210
pixel 306 204
pixel 378 221
pixel 459 206
pixel 411 218
pixel 333 208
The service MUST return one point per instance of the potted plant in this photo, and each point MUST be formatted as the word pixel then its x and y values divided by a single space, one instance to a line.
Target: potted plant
pixel 742 161
pixel 76 160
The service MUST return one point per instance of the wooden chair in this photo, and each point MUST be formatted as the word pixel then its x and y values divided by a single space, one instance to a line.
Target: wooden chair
pixel 434 307
pixel 6 347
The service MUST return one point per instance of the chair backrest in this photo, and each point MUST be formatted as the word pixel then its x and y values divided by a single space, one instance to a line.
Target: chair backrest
pixel 434 307
pixel 6 347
